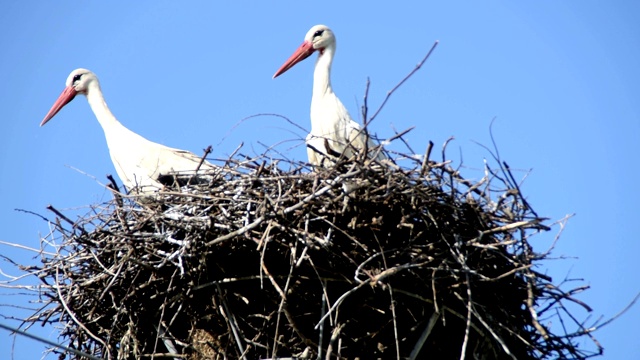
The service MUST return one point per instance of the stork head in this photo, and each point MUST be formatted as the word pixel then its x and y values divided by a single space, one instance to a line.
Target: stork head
pixel 77 83
pixel 318 38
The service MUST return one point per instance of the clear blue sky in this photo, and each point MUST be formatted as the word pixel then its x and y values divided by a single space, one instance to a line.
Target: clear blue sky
pixel 562 79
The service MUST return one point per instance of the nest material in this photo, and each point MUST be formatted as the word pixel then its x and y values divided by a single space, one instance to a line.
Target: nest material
pixel 357 261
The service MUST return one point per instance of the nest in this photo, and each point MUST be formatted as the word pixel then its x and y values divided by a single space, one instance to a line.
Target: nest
pixel 360 260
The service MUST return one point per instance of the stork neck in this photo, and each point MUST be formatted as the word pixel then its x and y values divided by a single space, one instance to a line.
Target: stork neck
pixel 322 73
pixel 100 108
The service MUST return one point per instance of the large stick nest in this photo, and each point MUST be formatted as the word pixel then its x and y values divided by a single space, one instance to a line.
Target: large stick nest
pixel 359 260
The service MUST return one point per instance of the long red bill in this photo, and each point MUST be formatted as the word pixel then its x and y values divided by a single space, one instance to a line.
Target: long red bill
pixel 67 95
pixel 303 52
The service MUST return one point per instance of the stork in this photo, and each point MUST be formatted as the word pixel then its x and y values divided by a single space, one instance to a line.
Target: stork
pixel 141 164
pixel 333 131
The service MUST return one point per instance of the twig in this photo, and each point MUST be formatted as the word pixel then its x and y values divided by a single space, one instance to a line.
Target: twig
pixel 207 151
pixel 235 233
pixel 23 247
pixel 113 183
pixel 425 334
pixel 467 327
pixel 60 215
pixel 75 319
pixel 620 313
pixel 504 346
pixel 233 324
pixel 33 213
pixel 403 80
pixel 115 190
pixel 425 160
pixel 48 342
pixel 338 302
pixel 395 322
pixel 258 115
pixel 365 106
pixel 335 335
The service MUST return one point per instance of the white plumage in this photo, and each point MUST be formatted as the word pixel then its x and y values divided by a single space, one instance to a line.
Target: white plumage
pixel 333 131
pixel 139 162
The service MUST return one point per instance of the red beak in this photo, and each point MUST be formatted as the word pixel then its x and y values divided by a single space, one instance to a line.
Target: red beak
pixel 303 52
pixel 67 95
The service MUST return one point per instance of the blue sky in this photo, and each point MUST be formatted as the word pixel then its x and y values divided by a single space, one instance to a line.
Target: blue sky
pixel 561 79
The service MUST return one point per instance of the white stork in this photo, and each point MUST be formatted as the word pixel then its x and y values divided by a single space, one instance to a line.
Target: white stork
pixel 333 131
pixel 140 163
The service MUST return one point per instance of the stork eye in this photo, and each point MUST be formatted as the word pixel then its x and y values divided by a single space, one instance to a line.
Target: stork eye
pixel 77 77
pixel 318 33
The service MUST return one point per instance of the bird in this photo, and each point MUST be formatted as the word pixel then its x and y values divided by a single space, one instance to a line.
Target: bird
pixel 333 132
pixel 143 166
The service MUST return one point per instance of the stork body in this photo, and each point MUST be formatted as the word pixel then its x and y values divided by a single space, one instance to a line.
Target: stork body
pixel 333 131
pixel 139 162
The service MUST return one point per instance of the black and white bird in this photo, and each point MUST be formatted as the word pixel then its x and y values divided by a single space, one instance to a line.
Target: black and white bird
pixel 333 131
pixel 140 163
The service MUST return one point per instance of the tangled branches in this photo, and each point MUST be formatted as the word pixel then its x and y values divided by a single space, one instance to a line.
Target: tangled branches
pixel 361 260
